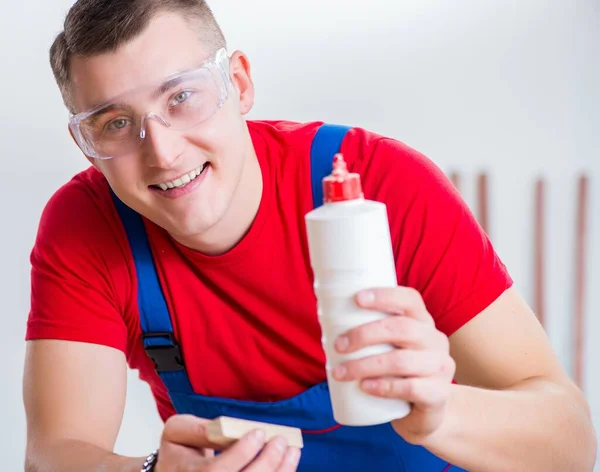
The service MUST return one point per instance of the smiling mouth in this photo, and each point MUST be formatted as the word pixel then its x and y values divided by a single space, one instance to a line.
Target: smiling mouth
pixel 183 180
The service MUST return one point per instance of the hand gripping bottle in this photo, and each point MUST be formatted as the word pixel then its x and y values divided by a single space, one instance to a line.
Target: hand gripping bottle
pixel 350 249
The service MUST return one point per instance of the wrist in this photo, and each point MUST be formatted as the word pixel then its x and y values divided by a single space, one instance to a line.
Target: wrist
pixel 150 462
pixel 451 417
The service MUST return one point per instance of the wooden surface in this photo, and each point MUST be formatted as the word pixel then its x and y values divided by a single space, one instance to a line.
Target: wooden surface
pixel 539 251
pixel 482 200
pixel 580 268
pixel 226 430
pixel 455 179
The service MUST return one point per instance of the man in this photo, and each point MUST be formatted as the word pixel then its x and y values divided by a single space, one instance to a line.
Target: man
pixel 182 183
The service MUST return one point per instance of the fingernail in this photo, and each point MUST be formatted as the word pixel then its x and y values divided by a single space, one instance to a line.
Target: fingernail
pixel 258 437
pixel 369 384
pixel 339 372
pixel 366 297
pixel 292 456
pixel 342 343
pixel 280 444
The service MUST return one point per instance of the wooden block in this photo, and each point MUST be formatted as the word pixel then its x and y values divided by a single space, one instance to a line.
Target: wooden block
pixel 225 430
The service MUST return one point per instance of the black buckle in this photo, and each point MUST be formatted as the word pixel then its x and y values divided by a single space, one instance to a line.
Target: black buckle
pixel 165 358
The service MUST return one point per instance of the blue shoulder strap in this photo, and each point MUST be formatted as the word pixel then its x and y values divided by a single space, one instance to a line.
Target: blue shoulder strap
pixel 155 322
pixel 326 143
pixel 157 330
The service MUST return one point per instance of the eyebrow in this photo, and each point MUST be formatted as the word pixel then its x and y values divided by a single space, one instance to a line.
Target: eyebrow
pixel 163 88
pixel 168 85
pixel 96 116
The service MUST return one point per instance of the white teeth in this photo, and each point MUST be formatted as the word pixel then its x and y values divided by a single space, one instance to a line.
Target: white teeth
pixel 181 181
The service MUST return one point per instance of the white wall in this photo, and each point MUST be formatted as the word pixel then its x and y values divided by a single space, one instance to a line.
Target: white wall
pixel 504 86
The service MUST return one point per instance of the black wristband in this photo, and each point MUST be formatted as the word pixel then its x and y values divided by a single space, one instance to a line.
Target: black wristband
pixel 150 462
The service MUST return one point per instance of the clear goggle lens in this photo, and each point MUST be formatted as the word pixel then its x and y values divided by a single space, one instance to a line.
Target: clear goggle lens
pixel 180 102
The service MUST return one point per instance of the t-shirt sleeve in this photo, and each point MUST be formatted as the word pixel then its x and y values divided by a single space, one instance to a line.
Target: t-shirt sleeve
pixel 78 273
pixel 440 248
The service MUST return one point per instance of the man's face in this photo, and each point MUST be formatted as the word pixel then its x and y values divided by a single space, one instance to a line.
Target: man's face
pixel 216 149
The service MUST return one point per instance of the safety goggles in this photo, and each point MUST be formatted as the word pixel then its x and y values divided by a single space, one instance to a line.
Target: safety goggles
pixel 180 102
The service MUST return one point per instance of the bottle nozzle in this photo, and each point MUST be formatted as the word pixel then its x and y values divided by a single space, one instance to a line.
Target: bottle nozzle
pixel 340 169
pixel 341 185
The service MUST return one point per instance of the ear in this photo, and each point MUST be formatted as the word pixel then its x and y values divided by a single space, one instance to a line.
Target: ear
pixel 94 162
pixel 239 69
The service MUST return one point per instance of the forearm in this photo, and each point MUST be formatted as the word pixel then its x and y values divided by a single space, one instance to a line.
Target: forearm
pixel 69 455
pixel 535 426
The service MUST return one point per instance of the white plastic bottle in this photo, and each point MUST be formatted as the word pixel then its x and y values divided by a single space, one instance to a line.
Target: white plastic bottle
pixel 350 250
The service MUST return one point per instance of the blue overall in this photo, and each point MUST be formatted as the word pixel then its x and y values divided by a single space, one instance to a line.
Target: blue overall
pixel 327 445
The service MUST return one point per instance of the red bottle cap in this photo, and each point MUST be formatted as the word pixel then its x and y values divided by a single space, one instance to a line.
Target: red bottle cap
pixel 341 185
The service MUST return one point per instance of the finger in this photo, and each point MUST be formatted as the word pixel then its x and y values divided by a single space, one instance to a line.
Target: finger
pixel 187 430
pixel 423 392
pixel 397 330
pixel 290 460
pixel 241 453
pixel 396 363
pixel 276 456
pixel 398 300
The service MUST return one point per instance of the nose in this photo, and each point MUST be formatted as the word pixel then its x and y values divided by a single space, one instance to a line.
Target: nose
pixel 162 145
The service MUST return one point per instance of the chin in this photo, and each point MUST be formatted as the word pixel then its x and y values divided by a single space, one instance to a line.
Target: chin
pixel 192 216
pixel 186 229
pixel 192 225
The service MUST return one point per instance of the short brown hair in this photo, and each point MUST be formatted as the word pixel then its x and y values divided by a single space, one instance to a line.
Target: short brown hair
pixel 98 26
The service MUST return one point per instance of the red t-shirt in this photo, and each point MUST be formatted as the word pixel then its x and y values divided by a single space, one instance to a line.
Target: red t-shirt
pixel 246 320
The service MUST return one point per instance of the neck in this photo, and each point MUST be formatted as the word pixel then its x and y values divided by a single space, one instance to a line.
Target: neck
pixel 240 215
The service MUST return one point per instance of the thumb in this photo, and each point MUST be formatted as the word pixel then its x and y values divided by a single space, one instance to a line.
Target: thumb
pixel 188 430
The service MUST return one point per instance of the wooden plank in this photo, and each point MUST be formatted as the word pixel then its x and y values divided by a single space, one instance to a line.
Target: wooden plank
pixel 539 251
pixel 482 199
pixel 455 179
pixel 580 268
pixel 225 430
